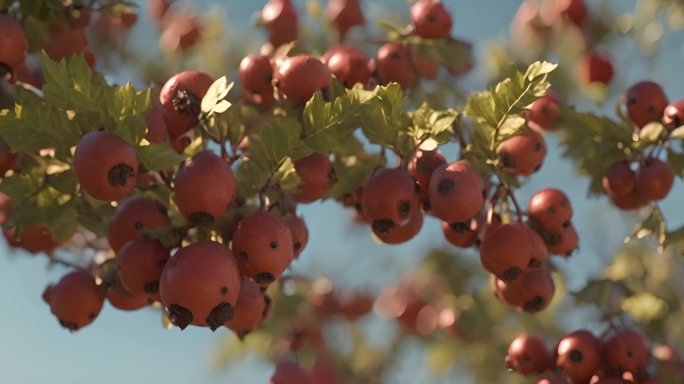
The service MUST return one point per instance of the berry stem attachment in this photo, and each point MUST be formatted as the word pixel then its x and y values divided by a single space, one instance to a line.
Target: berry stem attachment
pixel 511 195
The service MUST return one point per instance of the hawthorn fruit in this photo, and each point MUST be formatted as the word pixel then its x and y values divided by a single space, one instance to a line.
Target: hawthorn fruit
pixel 13 44
pixel 531 292
pixel 626 351
pixel 204 188
pixel 140 263
pixel 256 74
pixel 180 98
pixel 105 166
pixel 673 115
pixel 551 209
pixel 299 231
pixel 156 126
pixel 403 232
pixel 597 68
pixel 349 65
pixel 317 175
pixel 249 310
pixel 389 198
pixel 579 356
pixel 76 299
pixel 528 355
pixel 619 179
pixel 121 299
pixel 543 113
pixel 524 154
pixel 288 372
pixel 462 235
pixel 131 217
pixel 263 247
pixel 280 19
pixel 299 77
pixel 654 179
pixel 394 64
pixel 645 102
pixel 34 239
pixel 421 167
pixel 563 243
pixel 430 19
pixel 455 192
pixel 344 14
pixel 510 250
pixel 200 285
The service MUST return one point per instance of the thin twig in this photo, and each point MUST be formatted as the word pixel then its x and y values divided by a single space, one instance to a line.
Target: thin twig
pixel 166 179
pixel 510 194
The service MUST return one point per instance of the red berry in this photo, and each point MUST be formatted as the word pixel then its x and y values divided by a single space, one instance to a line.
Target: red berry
pixel 626 351
pixel 249 310
pixel 105 166
pixel 158 8
pixel 13 43
pixel 401 233
pixel 300 233
pixel 344 14
pixel 140 264
pixel 299 77
pixel 462 235
pixel 76 300
pixel 180 32
pixel 204 188
pixel 263 246
pixel 394 65
pixel 430 19
pixel 348 65
pixel 287 372
pixel 619 179
pixel 673 116
pixel 524 154
pixel 631 200
pixel 256 73
pixel 527 355
pixel 597 68
pixel 551 209
pixel 200 285
pixel 8 159
pixel 531 292
pixel 579 356
pixel 132 217
pixel 563 243
pixel 425 67
pixel 654 179
pixel 180 98
pixel 455 192
pixel 156 126
pixel 317 175
pixel 646 102
pixel 421 167
pixel 389 199
pixel 34 239
pixel 121 299
pixel 64 42
pixel 575 10
pixel 280 19
pixel 510 250
pixel 544 112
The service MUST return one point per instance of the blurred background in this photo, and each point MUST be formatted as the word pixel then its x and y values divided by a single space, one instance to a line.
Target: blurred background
pixel 123 347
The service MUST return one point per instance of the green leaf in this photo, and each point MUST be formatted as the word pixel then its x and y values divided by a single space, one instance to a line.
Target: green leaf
pixel 215 100
pixel 451 53
pixel 273 142
pixel 286 176
pixel 539 69
pixel 676 161
pixel 653 226
pixel 71 85
pixel 157 157
pixel 678 133
pixel 129 108
pixel 651 132
pixel 428 123
pixel 352 172
pixel 644 307
pixel 328 124
pixel 382 115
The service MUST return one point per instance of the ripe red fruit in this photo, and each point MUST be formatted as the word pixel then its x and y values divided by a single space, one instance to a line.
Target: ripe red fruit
pixel 563 243
pixel 421 167
pixel 180 98
pixel 673 116
pixel 121 299
pixel 300 233
pixel 288 372
pixel 403 232
pixel 76 299
pixel 34 239
pixel 575 10
pixel 299 77
pixel 13 43
pixel 551 209
pixel 200 285
pixel 645 102
pixel 348 65
pixel 597 68
pixel 180 31
pixel 204 188
pixel 543 113
pixel 317 175
pixel 626 351
pixel 654 179
pixel 462 235
pixel 510 250
pixel 531 292
pixel 524 154
pixel 156 126
pixel 105 166
pixel 140 264
pixel 455 192
pixel 280 19
pixel 527 355
pixel 132 217
pixel 30 71
pixel 619 179
pixel 249 310
pixel 394 65
pixel 631 200
pixel 579 356
pixel 7 159
pixel 389 199
pixel 344 14
pixel 263 246
pixel 430 19
pixel 256 74
pixel 65 42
